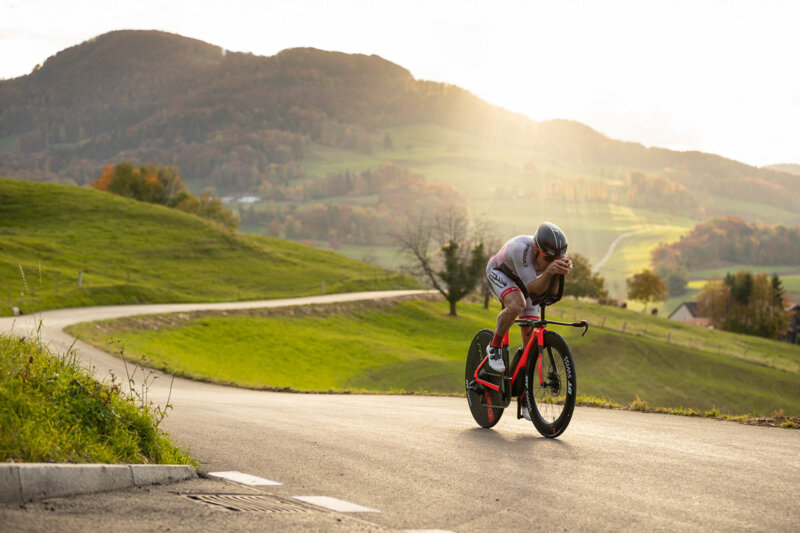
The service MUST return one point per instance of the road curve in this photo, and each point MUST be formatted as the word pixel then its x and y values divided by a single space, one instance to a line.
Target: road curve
pixel 596 268
pixel 423 463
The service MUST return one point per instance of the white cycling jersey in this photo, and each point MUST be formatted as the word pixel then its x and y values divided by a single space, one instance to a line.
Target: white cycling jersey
pixel 517 256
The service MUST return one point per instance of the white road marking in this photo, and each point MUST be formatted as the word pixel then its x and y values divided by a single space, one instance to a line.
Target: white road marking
pixel 244 479
pixel 335 505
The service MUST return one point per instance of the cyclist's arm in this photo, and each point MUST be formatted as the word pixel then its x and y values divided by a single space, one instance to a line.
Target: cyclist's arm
pixel 539 285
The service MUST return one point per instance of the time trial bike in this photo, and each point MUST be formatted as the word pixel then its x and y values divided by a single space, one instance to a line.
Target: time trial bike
pixel 541 376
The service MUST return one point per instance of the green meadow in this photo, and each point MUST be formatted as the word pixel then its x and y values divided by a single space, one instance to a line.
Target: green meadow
pixel 127 252
pixel 413 347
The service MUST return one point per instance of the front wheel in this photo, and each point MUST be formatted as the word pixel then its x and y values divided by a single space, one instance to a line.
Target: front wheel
pixel 551 387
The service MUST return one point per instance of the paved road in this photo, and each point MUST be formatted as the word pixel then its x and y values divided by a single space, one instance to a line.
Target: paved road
pixel 423 463
pixel 614 245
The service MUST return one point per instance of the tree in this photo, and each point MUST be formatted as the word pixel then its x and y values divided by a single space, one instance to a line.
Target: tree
pixel 777 290
pixel 461 272
pixel 677 280
pixel 483 231
pixel 444 255
pixel 646 286
pixel 163 185
pixel 745 303
pixel 582 282
pixel 209 207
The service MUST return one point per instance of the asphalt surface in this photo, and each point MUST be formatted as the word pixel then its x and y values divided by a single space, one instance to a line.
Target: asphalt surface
pixel 424 465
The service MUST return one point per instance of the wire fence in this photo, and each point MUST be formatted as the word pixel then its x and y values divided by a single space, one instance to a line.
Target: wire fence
pixel 718 342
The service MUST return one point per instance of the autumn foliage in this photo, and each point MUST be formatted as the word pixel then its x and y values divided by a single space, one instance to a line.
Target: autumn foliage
pixel 730 239
pixel 148 183
pixel 162 185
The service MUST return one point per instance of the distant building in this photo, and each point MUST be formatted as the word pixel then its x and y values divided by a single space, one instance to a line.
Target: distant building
pixel 687 312
pixel 240 199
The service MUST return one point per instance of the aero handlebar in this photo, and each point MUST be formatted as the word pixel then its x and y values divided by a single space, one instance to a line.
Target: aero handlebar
pixel 543 323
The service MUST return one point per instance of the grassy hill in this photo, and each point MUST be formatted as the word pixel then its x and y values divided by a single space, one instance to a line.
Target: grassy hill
pixel 134 252
pixel 412 346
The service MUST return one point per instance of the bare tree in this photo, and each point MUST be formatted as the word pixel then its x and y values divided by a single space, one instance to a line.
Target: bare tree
pixel 482 231
pixel 443 253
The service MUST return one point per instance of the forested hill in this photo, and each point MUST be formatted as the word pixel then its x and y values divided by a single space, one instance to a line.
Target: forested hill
pixel 168 99
pixel 786 167
pixel 236 120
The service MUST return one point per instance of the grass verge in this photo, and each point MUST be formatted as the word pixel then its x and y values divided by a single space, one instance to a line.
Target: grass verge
pixel 777 419
pixel 53 410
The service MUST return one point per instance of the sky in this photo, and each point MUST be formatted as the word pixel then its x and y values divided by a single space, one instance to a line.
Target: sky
pixel 715 76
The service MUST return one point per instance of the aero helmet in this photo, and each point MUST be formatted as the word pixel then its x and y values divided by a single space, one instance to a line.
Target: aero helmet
pixel 550 239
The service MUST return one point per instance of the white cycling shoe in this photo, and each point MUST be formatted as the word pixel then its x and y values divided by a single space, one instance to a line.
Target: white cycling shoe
pixel 526 413
pixel 496 359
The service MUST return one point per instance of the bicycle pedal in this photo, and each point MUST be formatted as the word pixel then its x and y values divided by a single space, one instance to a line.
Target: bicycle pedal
pixel 474 386
pixel 488 373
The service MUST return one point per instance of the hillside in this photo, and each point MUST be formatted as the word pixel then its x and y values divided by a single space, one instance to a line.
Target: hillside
pixel 285 127
pixel 235 119
pixel 786 167
pixel 124 252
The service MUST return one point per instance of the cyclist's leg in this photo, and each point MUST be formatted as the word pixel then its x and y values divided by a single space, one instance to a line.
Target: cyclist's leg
pixel 513 304
pixel 530 312
pixel 510 296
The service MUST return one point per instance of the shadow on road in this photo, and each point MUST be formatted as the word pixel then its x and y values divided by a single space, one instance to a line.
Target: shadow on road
pixel 511 442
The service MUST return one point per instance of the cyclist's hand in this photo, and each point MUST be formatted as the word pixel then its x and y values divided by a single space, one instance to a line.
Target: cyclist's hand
pixel 560 266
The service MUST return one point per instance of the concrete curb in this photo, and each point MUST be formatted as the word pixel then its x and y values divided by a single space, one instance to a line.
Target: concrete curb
pixel 25 482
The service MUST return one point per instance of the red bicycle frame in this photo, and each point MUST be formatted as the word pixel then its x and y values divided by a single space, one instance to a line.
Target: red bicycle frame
pixel 538 336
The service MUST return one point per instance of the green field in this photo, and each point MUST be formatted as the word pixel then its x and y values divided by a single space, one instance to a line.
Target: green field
pixel 413 346
pixel 133 252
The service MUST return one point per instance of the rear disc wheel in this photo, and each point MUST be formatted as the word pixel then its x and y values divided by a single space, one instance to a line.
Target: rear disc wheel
pixel 481 402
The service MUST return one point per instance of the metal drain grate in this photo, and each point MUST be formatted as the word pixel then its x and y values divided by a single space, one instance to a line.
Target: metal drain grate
pixel 248 503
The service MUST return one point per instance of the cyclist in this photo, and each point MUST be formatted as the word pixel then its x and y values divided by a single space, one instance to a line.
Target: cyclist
pixel 524 265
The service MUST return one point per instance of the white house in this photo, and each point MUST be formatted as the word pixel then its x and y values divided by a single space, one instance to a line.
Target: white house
pixel 687 312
